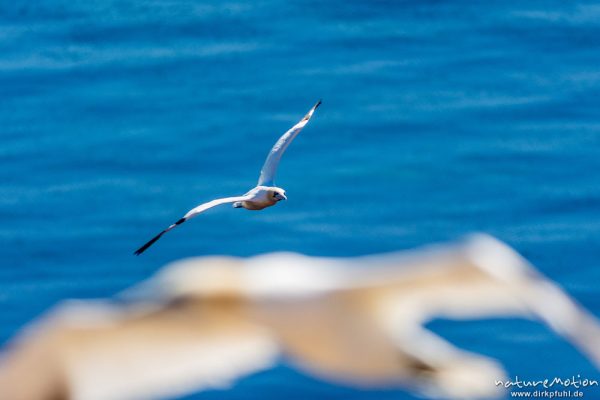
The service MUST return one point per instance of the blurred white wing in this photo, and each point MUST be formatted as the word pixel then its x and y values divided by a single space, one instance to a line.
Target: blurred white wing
pixel 99 352
pixel 267 173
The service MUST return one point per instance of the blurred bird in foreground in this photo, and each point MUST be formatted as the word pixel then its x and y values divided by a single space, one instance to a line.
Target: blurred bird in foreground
pixel 203 323
pixel 264 195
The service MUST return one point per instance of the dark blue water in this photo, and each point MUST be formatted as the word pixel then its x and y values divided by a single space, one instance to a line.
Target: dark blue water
pixel 438 119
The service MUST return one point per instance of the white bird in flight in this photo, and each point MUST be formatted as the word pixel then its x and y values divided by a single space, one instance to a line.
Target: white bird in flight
pixel 205 323
pixel 264 195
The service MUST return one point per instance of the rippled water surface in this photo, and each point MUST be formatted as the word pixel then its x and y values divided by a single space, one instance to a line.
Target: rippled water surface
pixel 438 119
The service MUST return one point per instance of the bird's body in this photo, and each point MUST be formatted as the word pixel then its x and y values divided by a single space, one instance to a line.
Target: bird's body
pixel 264 195
pixel 260 198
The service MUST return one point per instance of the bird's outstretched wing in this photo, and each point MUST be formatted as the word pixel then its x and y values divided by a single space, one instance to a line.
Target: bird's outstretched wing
pixel 191 214
pixel 267 173
pixel 96 351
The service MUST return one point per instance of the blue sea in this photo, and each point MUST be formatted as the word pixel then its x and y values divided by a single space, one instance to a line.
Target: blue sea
pixel 438 119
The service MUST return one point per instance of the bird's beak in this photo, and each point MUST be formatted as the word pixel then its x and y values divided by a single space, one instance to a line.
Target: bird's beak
pixel 280 196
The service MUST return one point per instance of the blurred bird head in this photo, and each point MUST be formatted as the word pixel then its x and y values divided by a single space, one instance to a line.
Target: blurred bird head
pixel 278 194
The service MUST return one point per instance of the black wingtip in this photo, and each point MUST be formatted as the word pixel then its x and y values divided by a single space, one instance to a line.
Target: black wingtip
pixel 155 238
pixel 311 111
pixel 150 243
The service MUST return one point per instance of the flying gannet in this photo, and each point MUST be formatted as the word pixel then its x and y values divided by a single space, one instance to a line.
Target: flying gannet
pixel 205 323
pixel 264 195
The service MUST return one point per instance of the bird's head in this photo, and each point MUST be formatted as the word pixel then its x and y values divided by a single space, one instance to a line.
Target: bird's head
pixel 278 194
